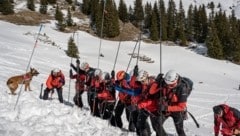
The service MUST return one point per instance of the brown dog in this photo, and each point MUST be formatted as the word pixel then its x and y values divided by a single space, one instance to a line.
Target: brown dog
pixel 25 79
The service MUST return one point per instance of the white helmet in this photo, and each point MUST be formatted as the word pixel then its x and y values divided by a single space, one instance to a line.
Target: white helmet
pixel 98 72
pixel 84 66
pixel 142 75
pixel 171 77
pixel 55 70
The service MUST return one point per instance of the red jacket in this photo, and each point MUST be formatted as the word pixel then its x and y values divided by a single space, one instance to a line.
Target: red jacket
pixel 229 121
pixel 124 97
pixel 79 85
pixel 55 81
pixel 175 99
pixel 108 92
pixel 148 102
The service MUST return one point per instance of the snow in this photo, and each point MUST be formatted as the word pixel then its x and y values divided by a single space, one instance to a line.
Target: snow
pixel 215 82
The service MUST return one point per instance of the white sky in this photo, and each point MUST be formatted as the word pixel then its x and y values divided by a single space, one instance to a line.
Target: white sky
pixel 33 116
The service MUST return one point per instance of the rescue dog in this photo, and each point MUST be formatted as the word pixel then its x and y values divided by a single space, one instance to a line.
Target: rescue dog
pixel 25 79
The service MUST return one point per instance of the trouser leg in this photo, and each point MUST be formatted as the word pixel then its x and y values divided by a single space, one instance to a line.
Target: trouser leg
pixel 178 122
pixel 45 94
pixel 60 97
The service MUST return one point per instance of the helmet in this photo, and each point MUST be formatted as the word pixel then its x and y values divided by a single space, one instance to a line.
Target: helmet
pixel 84 66
pixel 106 76
pixel 171 77
pixel 98 72
pixel 121 75
pixel 142 75
pixel 55 70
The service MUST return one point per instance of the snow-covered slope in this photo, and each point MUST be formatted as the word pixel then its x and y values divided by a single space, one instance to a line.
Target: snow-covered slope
pixel 215 82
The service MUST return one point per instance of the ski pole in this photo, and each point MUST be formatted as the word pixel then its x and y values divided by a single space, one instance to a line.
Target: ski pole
pixel 100 46
pixel 194 119
pixel 69 87
pixel 29 62
pixel 40 96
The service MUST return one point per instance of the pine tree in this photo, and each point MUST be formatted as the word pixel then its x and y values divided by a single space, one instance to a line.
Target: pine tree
pixel 96 13
pixel 138 13
pixel 60 20
pixel 148 14
pixel 30 5
pixel 213 43
pixel 157 15
pixel 154 33
pixel 163 19
pixel 203 24
pixel 86 7
pixel 234 45
pixel 180 26
pixel 6 7
pixel 72 50
pixel 43 6
pixel 171 12
pixel 111 24
pixel 189 24
pixel 69 20
pixel 52 1
pixel 122 11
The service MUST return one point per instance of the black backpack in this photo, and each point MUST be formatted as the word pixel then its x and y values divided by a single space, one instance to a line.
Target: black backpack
pixel 189 83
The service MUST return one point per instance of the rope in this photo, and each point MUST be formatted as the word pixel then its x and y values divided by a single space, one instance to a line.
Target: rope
pixel 29 62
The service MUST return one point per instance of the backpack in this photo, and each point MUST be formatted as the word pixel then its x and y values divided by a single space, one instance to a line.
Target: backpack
pixel 189 83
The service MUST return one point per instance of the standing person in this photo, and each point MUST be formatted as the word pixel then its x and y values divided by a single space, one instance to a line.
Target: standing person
pixel 55 81
pixel 95 88
pixel 89 71
pixel 80 77
pixel 173 102
pixel 227 117
pixel 124 98
pixel 106 96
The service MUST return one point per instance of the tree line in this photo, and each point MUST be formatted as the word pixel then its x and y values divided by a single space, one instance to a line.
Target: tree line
pixel 219 31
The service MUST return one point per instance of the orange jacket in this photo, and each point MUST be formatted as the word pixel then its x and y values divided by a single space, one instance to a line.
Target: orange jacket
pixel 55 81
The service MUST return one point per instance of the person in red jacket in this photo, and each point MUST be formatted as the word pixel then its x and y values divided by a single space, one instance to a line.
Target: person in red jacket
pixel 80 77
pixel 123 99
pixel 227 117
pixel 173 102
pixel 55 81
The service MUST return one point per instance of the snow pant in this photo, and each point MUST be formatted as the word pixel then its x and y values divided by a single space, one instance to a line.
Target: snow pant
pixel 78 99
pixel 116 119
pixel 106 109
pixel 93 103
pixel 132 115
pixel 142 125
pixel 59 92
pixel 158 121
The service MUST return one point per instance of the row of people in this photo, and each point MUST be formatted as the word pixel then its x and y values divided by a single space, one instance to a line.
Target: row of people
pixel 140 95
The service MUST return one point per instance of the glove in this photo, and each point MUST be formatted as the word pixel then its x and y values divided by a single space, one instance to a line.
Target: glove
pixel 135 71
pixel 62 81
pixel 71 65
pixel 70 73
pixel 113 74
pixel 163 108
pixel 159 78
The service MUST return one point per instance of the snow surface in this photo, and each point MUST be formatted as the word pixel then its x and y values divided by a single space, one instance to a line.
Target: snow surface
pixel 215 82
